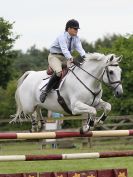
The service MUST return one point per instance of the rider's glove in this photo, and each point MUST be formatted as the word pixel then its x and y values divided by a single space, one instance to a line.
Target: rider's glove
pixel 82 59
pixel 69 62
pixel 83 56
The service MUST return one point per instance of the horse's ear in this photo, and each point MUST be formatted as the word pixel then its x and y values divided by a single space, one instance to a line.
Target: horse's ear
pixel 119 58
pixel 111 58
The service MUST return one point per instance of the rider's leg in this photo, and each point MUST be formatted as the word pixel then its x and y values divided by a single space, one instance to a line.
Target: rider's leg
pixel 56 64
pixel 52 82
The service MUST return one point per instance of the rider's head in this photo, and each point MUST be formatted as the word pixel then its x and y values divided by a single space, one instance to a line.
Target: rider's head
pixel 72 27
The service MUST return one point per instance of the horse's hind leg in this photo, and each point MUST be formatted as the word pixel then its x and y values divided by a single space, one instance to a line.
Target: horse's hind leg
pixel 41 121
pixel 33 123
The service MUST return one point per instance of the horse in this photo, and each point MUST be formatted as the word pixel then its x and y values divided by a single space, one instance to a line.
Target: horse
pixel 80 91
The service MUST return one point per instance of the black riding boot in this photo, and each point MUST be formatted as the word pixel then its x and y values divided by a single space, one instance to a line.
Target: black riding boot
pixel 52 82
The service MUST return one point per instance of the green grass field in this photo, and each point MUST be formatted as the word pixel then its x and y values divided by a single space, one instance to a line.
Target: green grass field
pixel 21 148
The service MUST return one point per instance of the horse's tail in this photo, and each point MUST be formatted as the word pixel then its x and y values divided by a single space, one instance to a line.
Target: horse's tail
pixel 22 78
pixel 19 116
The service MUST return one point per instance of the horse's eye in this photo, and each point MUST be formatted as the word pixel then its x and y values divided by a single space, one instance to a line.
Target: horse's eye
pixel 111 72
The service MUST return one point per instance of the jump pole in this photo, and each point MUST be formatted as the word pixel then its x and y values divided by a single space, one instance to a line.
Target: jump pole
pixel 93 155
pixel 57 135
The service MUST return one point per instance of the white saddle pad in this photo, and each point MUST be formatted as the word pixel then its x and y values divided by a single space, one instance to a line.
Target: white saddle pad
pixel 44 82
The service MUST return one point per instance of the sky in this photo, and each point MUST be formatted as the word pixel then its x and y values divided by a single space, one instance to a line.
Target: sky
pixel 39 22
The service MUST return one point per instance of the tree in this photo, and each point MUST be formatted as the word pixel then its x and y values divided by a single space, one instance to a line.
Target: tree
pixel 33 59
pixel 88 47
pixel 7 40
pixel 106 42
pixel 8 105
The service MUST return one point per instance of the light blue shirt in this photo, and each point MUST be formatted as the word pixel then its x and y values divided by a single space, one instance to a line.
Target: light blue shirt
pixel 61 44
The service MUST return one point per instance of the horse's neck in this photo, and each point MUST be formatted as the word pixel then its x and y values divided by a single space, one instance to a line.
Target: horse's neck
pixel 95 68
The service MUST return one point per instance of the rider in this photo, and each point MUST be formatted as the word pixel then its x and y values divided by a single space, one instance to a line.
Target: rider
pixel 60 52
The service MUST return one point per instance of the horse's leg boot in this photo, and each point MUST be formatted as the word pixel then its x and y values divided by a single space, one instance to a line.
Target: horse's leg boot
pixel 52 82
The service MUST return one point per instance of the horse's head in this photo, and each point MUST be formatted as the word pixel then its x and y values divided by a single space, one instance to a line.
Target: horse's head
pixel 106 68
pixel 112 74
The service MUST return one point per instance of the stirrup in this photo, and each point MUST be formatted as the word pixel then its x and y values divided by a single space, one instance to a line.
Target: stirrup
pixel 43 96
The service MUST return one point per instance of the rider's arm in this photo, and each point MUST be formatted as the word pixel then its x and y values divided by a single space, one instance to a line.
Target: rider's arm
pixel 79 48
pixel 64 48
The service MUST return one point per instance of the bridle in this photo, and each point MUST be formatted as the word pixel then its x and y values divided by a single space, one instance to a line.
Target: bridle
pixel 111 82
pixel 95 94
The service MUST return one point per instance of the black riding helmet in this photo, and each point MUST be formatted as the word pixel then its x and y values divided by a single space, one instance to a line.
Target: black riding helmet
pixel 72 24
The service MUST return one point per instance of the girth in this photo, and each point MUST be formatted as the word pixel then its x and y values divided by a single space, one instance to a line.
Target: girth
pixel 62 102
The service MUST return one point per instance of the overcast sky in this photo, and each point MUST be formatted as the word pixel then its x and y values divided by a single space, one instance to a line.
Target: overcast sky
pixel 39 22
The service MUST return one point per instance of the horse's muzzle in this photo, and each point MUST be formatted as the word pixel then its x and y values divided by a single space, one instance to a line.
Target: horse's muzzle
pixel 118 91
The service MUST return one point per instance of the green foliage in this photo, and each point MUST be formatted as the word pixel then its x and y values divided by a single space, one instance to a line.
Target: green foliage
pixel 106 42
pixel 33 59
pixel 88 47
pixel 6 43
pixel 7 103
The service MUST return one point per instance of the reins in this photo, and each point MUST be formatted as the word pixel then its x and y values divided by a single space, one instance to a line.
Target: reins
pixel 93 93
pixel 71 69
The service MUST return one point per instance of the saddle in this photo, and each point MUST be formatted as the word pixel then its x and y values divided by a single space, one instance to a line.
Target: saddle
pixel 63 74
pixel 76 61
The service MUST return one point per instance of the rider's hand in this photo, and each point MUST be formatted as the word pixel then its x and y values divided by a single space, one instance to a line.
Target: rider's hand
pixel 71 59
pixel 83 56
pixel 69 62
pixel 79 60
pixel 82 60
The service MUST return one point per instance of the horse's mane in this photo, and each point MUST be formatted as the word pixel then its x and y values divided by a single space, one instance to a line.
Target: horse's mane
pixel 95 56
pixel 99 57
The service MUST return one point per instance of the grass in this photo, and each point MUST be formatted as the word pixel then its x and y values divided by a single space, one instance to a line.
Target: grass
pixel 22 148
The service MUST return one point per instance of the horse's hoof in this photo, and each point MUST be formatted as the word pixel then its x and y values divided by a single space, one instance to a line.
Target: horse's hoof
pixel 32 131
pixel 84 129
pixel 91 128
pixel 100 122
pixel 40 130
pixel 81 131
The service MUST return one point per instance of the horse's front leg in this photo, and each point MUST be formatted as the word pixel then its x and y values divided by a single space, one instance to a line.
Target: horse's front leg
pixel 106 107
pixel 88 124
pixel 80 108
